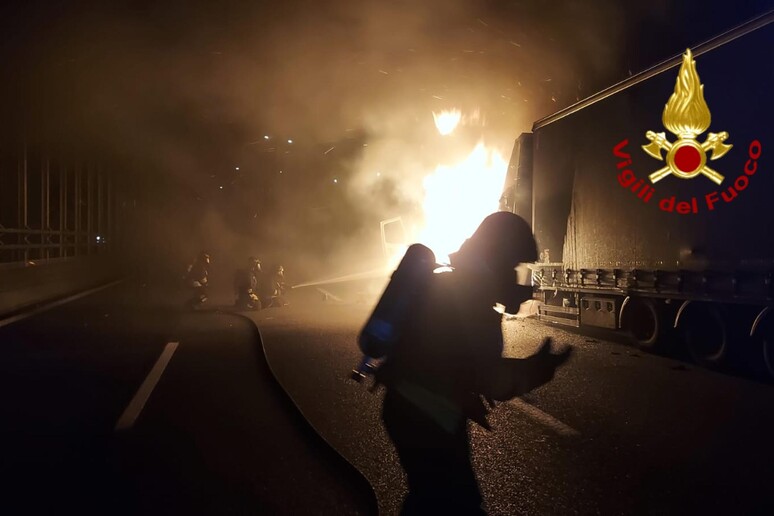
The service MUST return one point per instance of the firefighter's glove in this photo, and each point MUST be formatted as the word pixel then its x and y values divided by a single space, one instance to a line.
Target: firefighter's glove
pixel 517 376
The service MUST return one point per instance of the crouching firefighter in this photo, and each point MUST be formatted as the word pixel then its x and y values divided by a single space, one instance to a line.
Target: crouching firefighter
pixel 197 280
pixel 440 345
pixel 246 285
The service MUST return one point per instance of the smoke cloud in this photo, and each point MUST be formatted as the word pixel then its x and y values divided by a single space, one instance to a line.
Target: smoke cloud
pixel 180 94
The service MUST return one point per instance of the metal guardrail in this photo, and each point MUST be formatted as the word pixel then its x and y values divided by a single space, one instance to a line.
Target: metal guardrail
pixel 53 208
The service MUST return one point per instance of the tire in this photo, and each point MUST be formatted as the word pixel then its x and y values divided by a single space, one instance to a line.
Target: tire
pixel 760 346
pixel 767 355
pixel 641 319
pixel 705 333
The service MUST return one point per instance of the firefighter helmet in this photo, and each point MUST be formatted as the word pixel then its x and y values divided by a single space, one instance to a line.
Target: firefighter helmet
pixel 503 240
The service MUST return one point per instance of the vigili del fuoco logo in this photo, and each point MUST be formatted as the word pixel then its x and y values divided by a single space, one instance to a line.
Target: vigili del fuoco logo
pixel 686 115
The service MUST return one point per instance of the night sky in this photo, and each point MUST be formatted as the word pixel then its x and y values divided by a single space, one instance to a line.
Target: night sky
pixel 176 95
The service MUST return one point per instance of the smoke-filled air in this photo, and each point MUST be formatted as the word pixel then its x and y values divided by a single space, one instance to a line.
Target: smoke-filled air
pixel 292 130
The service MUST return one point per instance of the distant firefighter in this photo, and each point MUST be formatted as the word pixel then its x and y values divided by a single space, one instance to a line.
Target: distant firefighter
pixel 197 279
pixel 273 288
pixel 246 285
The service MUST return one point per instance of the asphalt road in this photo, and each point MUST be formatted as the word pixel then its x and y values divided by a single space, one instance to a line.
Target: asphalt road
pixel 214 434
pixel 617 432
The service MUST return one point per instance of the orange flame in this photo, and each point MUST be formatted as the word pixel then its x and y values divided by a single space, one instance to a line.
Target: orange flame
pixel 447 121
pixel 458 197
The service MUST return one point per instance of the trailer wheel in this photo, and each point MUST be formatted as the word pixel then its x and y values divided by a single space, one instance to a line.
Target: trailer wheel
pixel 767 345
pixel 641 319
pixel 761 356
pixel 705 332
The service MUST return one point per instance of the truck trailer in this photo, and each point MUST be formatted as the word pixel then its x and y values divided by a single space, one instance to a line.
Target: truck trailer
pixel 652 202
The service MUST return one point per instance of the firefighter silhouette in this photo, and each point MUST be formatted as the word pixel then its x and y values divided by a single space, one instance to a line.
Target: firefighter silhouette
pixel 246 285
pixel 197 279
pixel 272 288
pixel 448 361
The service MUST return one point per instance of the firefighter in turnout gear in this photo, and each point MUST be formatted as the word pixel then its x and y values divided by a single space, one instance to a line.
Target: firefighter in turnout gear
pixel 246 285
pixel 197 280
pixel 448 361
pixel 273 288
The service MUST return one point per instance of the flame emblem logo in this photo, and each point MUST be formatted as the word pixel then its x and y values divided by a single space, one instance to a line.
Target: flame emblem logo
pixel 686 115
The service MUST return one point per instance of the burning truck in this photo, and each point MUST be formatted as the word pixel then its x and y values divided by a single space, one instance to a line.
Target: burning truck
pixel 651 203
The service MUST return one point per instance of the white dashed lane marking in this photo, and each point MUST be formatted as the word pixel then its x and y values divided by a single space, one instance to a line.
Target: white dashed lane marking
pixel 132 412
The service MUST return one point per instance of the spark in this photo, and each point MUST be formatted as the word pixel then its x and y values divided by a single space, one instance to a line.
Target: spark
pixel 382 71
pixel 290 141
pixel 326 152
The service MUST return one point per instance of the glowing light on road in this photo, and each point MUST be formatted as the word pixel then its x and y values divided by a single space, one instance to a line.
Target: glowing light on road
pixel 447 121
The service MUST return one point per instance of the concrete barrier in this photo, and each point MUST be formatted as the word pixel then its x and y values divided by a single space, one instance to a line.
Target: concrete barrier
pixel 25 286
